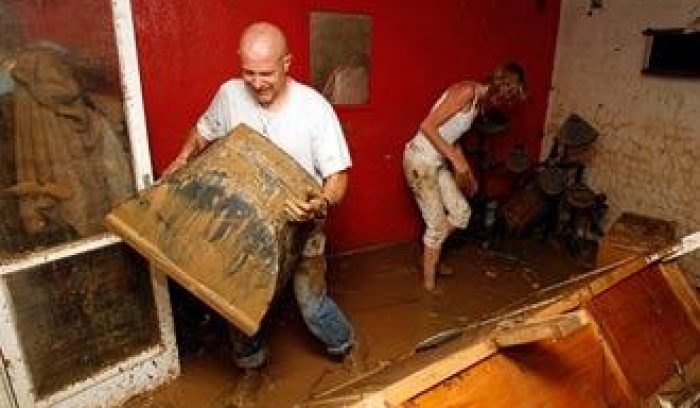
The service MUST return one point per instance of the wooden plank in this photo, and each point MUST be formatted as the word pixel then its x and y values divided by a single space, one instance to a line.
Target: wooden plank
pixel 549 328
pixel 584 292
pixel 398 390
pixel 647 329
pixel 219 225
pixel 571 372
pixel 629 392
pixel 163 263
pixel 436 372
pixel 431 374
pixel 687 295
pixel 580 293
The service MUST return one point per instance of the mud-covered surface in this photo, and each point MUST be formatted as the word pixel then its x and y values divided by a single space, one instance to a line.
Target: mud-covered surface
pixel 382 294
pixel 82 314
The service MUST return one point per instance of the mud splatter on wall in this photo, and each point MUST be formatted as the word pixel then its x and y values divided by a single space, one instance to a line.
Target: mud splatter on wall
pixel 648 156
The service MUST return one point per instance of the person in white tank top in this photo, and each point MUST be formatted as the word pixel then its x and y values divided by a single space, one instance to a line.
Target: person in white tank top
pixel 435 167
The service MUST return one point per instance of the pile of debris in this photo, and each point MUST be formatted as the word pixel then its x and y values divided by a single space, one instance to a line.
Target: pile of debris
pixel 551 199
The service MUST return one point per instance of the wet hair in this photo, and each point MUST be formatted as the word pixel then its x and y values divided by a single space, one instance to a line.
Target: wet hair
pixel 510 77
pixel 517 70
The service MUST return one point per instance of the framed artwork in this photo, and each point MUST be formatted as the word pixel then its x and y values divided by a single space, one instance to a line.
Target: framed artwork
pixel 341 56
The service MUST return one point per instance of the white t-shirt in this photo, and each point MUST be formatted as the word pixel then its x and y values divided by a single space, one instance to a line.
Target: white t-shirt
pixel 306 127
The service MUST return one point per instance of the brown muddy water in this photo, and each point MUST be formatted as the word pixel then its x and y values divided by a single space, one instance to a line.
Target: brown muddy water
pixel 381 292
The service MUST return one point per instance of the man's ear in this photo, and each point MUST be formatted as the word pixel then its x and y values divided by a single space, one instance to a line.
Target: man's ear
pixel 287 62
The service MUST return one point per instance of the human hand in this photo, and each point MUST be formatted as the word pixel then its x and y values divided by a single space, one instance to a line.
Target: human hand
pixel 174 166
pixel 458 161
pixel 316 206
pixel 466 182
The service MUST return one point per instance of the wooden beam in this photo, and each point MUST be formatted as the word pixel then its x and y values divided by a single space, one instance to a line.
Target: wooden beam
pixel 623 382
pixel 554 318
pixel 437 371
pixel 685 294
pixel 549 328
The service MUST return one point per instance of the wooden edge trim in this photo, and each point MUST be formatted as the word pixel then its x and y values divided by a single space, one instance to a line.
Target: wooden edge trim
pixel 599 285
pixel 683 291
pixel 555 327
pixel 434 373
pixel 211 298
pixel 553 321
pixel 611 361
pixel 548 328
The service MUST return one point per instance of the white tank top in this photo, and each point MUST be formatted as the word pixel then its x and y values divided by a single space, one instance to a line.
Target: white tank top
pixel 450 130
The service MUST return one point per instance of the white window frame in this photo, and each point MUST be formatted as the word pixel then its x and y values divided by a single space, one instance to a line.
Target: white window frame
pixel 136 374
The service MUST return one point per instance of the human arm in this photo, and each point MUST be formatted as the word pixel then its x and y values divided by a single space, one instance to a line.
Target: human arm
pixel 214 123
pixel 193 146
pixel 456 98
pixel 317 206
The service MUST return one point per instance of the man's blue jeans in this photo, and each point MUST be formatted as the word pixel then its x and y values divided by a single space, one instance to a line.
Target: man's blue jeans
pixel 321 314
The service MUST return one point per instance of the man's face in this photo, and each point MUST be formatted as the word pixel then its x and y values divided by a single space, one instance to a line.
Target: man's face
pixel 265 76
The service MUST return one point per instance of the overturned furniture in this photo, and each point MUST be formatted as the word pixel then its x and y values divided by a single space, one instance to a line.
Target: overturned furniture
pixel 218 226
pixel 626 334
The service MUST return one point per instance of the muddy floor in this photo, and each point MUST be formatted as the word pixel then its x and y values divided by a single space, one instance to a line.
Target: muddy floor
pixel 380 290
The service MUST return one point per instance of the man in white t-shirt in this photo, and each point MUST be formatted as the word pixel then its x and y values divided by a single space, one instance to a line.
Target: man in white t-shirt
pixel 302 123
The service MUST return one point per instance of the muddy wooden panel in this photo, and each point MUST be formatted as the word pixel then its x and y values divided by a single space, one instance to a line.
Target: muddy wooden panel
pixel 80 315
pixel 647 329
pixel 394 385
pixel 634 234
pixel 219 227
pixel 571 372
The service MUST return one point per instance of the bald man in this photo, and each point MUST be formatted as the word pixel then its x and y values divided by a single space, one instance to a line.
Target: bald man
pixel 302 123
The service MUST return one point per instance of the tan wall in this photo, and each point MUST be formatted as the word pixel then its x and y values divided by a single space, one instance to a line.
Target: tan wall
pixel 648 156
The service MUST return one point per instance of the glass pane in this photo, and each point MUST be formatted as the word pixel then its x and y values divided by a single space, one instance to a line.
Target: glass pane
pixel 79 315
pixel 64 152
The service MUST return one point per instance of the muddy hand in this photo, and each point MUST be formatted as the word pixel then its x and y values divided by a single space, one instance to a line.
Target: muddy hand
pixel 174 166
pixel 466 182
pixel 300 211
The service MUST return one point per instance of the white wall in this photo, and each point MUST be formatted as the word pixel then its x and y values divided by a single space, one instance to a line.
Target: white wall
pixel 647 159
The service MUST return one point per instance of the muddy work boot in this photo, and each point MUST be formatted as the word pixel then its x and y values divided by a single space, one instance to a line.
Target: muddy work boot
pixel 244 394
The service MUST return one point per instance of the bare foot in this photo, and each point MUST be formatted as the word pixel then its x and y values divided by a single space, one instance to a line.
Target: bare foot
pixel 429 283
pixel 445 270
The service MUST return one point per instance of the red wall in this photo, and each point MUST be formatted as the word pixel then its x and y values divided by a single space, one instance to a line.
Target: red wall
pixel 187 48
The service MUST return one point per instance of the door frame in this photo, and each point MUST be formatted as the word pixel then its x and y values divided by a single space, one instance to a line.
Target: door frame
pixel 135 374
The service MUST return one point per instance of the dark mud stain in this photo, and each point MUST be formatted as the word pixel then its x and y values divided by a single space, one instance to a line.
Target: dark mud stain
pixel 232 210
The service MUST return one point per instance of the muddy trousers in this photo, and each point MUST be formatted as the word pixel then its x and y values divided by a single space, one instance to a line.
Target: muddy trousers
pixel 441 203
pixel 321 314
